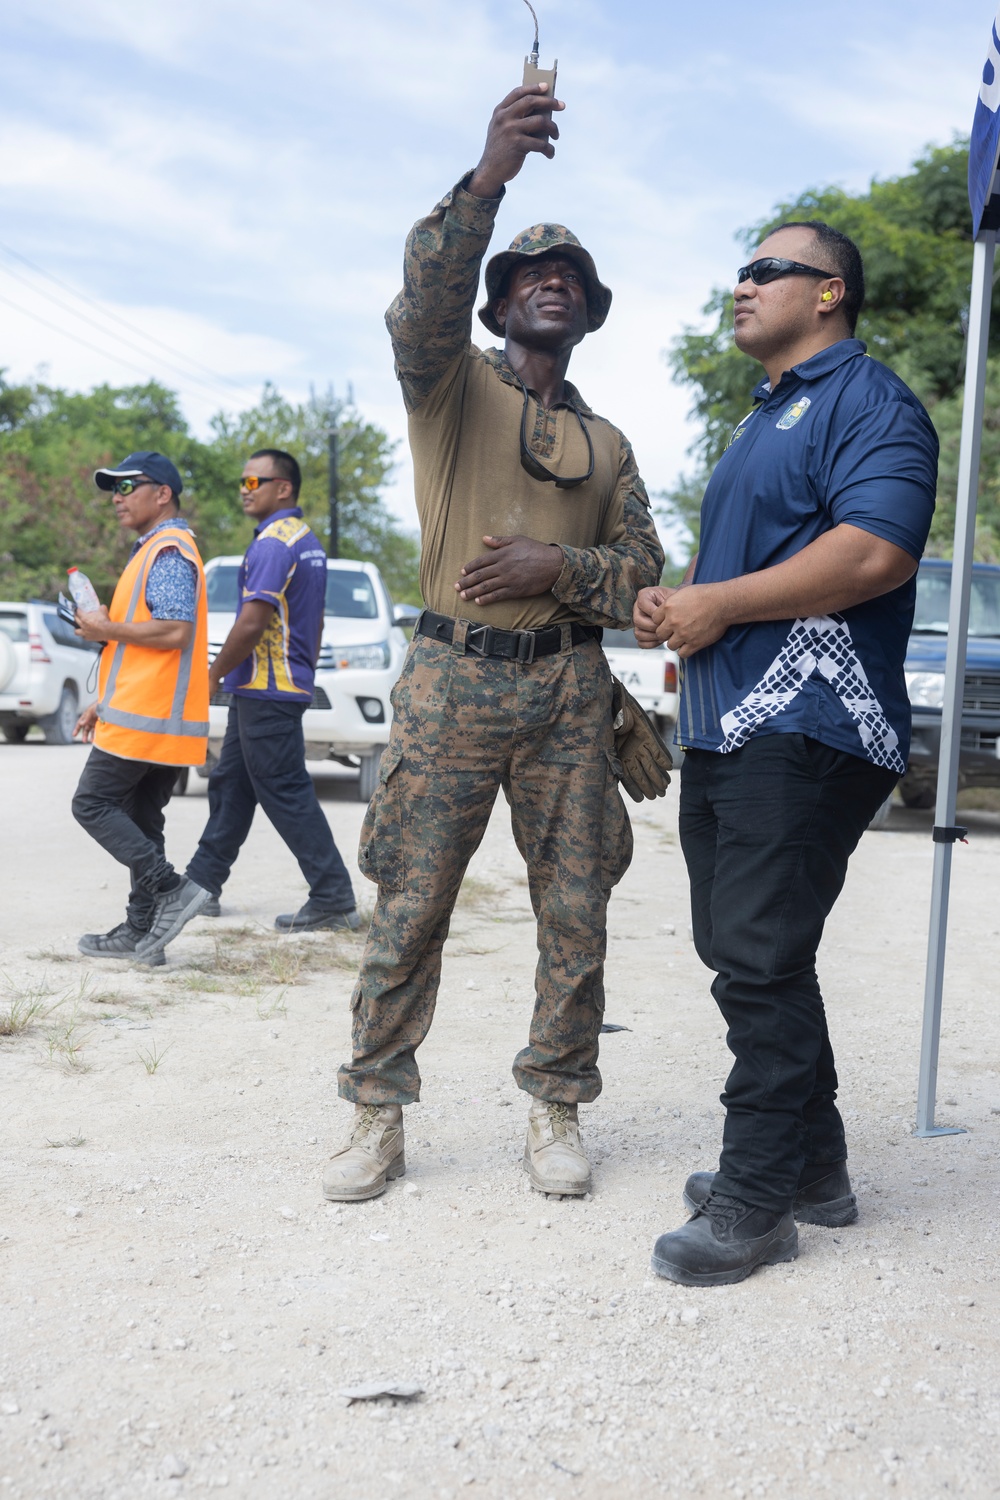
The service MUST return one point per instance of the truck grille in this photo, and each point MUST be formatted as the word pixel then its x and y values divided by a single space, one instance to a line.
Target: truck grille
pixel 983 740
pixel 982 693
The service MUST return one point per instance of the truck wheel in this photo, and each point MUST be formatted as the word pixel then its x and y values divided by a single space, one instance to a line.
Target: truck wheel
pixel 16 734
pixel 205 771
pixel 368 779
pixel 917 794
pixel 58 727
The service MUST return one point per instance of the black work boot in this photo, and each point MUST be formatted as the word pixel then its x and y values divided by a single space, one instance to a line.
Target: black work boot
pixel 121 942
pixel 314 916
pixel 824 1194
pixel 723 1242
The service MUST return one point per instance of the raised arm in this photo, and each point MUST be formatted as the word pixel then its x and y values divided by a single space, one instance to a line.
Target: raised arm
pixel 430 320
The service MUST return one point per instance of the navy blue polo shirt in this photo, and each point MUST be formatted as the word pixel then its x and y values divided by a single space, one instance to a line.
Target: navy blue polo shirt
pixel 839 440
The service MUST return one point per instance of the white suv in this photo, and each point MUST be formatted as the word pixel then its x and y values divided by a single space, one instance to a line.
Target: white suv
pixel 360 658
pixel 650 676
pixel 47 674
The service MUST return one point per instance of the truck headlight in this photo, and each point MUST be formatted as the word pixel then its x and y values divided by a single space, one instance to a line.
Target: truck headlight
pixel 370 658
pixel 925 689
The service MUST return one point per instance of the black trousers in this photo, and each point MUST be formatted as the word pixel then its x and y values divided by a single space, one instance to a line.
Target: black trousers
pixel 263 762
pixel 767 832
pixel 120 803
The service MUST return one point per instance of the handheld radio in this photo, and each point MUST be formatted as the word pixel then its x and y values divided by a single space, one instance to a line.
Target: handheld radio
pixel 532 72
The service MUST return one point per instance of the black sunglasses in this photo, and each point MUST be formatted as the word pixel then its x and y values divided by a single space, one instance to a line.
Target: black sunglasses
pixel 129 486
pixel 536 468
pixel 770 267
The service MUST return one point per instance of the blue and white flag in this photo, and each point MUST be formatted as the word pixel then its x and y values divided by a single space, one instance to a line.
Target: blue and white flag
pixel 985 143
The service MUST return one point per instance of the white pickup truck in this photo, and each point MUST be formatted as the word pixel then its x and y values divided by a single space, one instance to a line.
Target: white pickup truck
pixel 650 676
pixel 47 674
pixel 360 658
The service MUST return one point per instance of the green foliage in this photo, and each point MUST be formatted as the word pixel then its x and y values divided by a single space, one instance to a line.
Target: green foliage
pixel 51 516
pixel 914 233
pixel 365 459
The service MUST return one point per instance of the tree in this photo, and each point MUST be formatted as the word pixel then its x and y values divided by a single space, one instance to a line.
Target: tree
pixel 52 440
pixel 915 235
pixel 365 461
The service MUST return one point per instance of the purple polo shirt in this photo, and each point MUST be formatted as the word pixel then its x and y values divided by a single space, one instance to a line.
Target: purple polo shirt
pixel 285 566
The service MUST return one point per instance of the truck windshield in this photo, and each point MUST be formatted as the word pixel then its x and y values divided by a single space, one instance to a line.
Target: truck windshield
pixel 934 597
pixel 349 592
pixel 350 595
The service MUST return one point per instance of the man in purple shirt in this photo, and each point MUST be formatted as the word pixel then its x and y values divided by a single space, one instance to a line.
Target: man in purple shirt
pixel 268 664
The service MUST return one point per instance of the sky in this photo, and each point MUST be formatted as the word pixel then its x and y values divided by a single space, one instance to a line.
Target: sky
pixel 221 190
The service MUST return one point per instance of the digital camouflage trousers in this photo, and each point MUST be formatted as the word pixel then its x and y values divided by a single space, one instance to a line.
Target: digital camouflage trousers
pixel 464 726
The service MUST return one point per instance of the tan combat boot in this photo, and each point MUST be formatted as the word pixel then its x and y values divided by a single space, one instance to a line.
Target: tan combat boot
pixel 553 1156
pixel 371 1156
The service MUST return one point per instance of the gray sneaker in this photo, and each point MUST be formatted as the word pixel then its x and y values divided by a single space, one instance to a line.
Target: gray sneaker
pixel 212 908
pixel 121 942
pixel 171 913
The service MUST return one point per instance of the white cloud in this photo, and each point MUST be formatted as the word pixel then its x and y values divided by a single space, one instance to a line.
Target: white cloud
pixel 237 178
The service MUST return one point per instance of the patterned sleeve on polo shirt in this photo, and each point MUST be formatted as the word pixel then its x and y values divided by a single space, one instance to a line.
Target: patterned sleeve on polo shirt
pixel 172 587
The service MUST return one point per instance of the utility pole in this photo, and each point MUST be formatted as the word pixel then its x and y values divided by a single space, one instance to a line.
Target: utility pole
pixel 334 472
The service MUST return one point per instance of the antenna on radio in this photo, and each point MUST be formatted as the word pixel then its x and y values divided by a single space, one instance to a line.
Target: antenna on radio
pixel 533 74
pixel 534 50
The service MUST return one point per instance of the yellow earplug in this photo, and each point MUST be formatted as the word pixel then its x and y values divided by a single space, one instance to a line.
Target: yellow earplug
pixel 827 297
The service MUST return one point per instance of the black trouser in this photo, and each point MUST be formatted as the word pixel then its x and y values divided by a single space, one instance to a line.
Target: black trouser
pixel 120 803
pixel 767 832
pixel 263 761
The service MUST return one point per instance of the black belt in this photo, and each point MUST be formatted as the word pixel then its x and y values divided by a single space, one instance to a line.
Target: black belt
pixel 514 645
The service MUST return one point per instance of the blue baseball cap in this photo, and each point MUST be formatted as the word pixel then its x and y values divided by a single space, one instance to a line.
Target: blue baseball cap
pixel 153 465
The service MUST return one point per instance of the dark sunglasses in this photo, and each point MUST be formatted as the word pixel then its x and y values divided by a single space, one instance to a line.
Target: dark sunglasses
pixel 770 267
pixel 536 468
pixel 253 482
pixel 129 486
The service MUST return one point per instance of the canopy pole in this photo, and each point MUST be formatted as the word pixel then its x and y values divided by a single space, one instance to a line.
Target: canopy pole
pixel 954 680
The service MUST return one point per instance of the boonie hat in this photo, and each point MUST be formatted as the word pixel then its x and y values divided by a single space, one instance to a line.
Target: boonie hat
pixel 546 239
pixel 153 465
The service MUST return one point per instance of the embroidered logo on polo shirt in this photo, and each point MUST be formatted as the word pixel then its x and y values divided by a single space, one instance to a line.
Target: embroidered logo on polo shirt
pixel 795 412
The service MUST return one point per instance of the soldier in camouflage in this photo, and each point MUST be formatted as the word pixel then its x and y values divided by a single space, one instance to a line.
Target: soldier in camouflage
pixel 536 532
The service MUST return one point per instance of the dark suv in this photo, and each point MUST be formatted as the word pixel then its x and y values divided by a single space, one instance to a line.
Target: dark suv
pixel 979 764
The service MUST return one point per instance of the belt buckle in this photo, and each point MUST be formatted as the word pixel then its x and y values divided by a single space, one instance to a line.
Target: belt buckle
pixel 473 645
pixel 526 647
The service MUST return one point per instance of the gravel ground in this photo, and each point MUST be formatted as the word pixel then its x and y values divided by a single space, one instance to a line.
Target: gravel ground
pixel 181 1309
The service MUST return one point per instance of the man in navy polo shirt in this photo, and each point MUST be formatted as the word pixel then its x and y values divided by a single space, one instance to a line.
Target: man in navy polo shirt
pixel 268 664
pixel 792 625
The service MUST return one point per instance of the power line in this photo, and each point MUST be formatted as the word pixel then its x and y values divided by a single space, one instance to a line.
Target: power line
pixel 108 333
pixel 116 317
pixel 75 337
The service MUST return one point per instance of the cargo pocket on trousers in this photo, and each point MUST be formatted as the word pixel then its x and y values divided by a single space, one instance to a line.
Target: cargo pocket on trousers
pixel 617 842
pixel 380 849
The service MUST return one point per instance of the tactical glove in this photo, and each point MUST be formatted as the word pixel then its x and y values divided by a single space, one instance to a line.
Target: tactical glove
pixel 644 758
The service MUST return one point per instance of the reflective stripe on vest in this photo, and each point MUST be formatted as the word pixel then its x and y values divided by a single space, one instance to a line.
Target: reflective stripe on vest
pixel 125 728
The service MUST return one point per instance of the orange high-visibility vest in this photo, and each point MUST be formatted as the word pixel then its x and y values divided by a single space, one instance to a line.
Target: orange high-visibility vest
pixel 153 705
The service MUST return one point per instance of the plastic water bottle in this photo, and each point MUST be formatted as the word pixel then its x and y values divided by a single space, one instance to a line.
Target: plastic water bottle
pixel 83 591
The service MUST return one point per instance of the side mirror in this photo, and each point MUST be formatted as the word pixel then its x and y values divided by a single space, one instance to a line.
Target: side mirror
pixel 405 614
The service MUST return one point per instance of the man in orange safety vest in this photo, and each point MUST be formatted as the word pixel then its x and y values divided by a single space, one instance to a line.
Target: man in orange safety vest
pixel 151 714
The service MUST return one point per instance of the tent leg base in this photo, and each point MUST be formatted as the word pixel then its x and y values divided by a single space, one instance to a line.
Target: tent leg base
pixel 932 1130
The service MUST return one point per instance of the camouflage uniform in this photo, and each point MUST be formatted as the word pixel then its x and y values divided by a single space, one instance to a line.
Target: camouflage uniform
pixel 465 725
